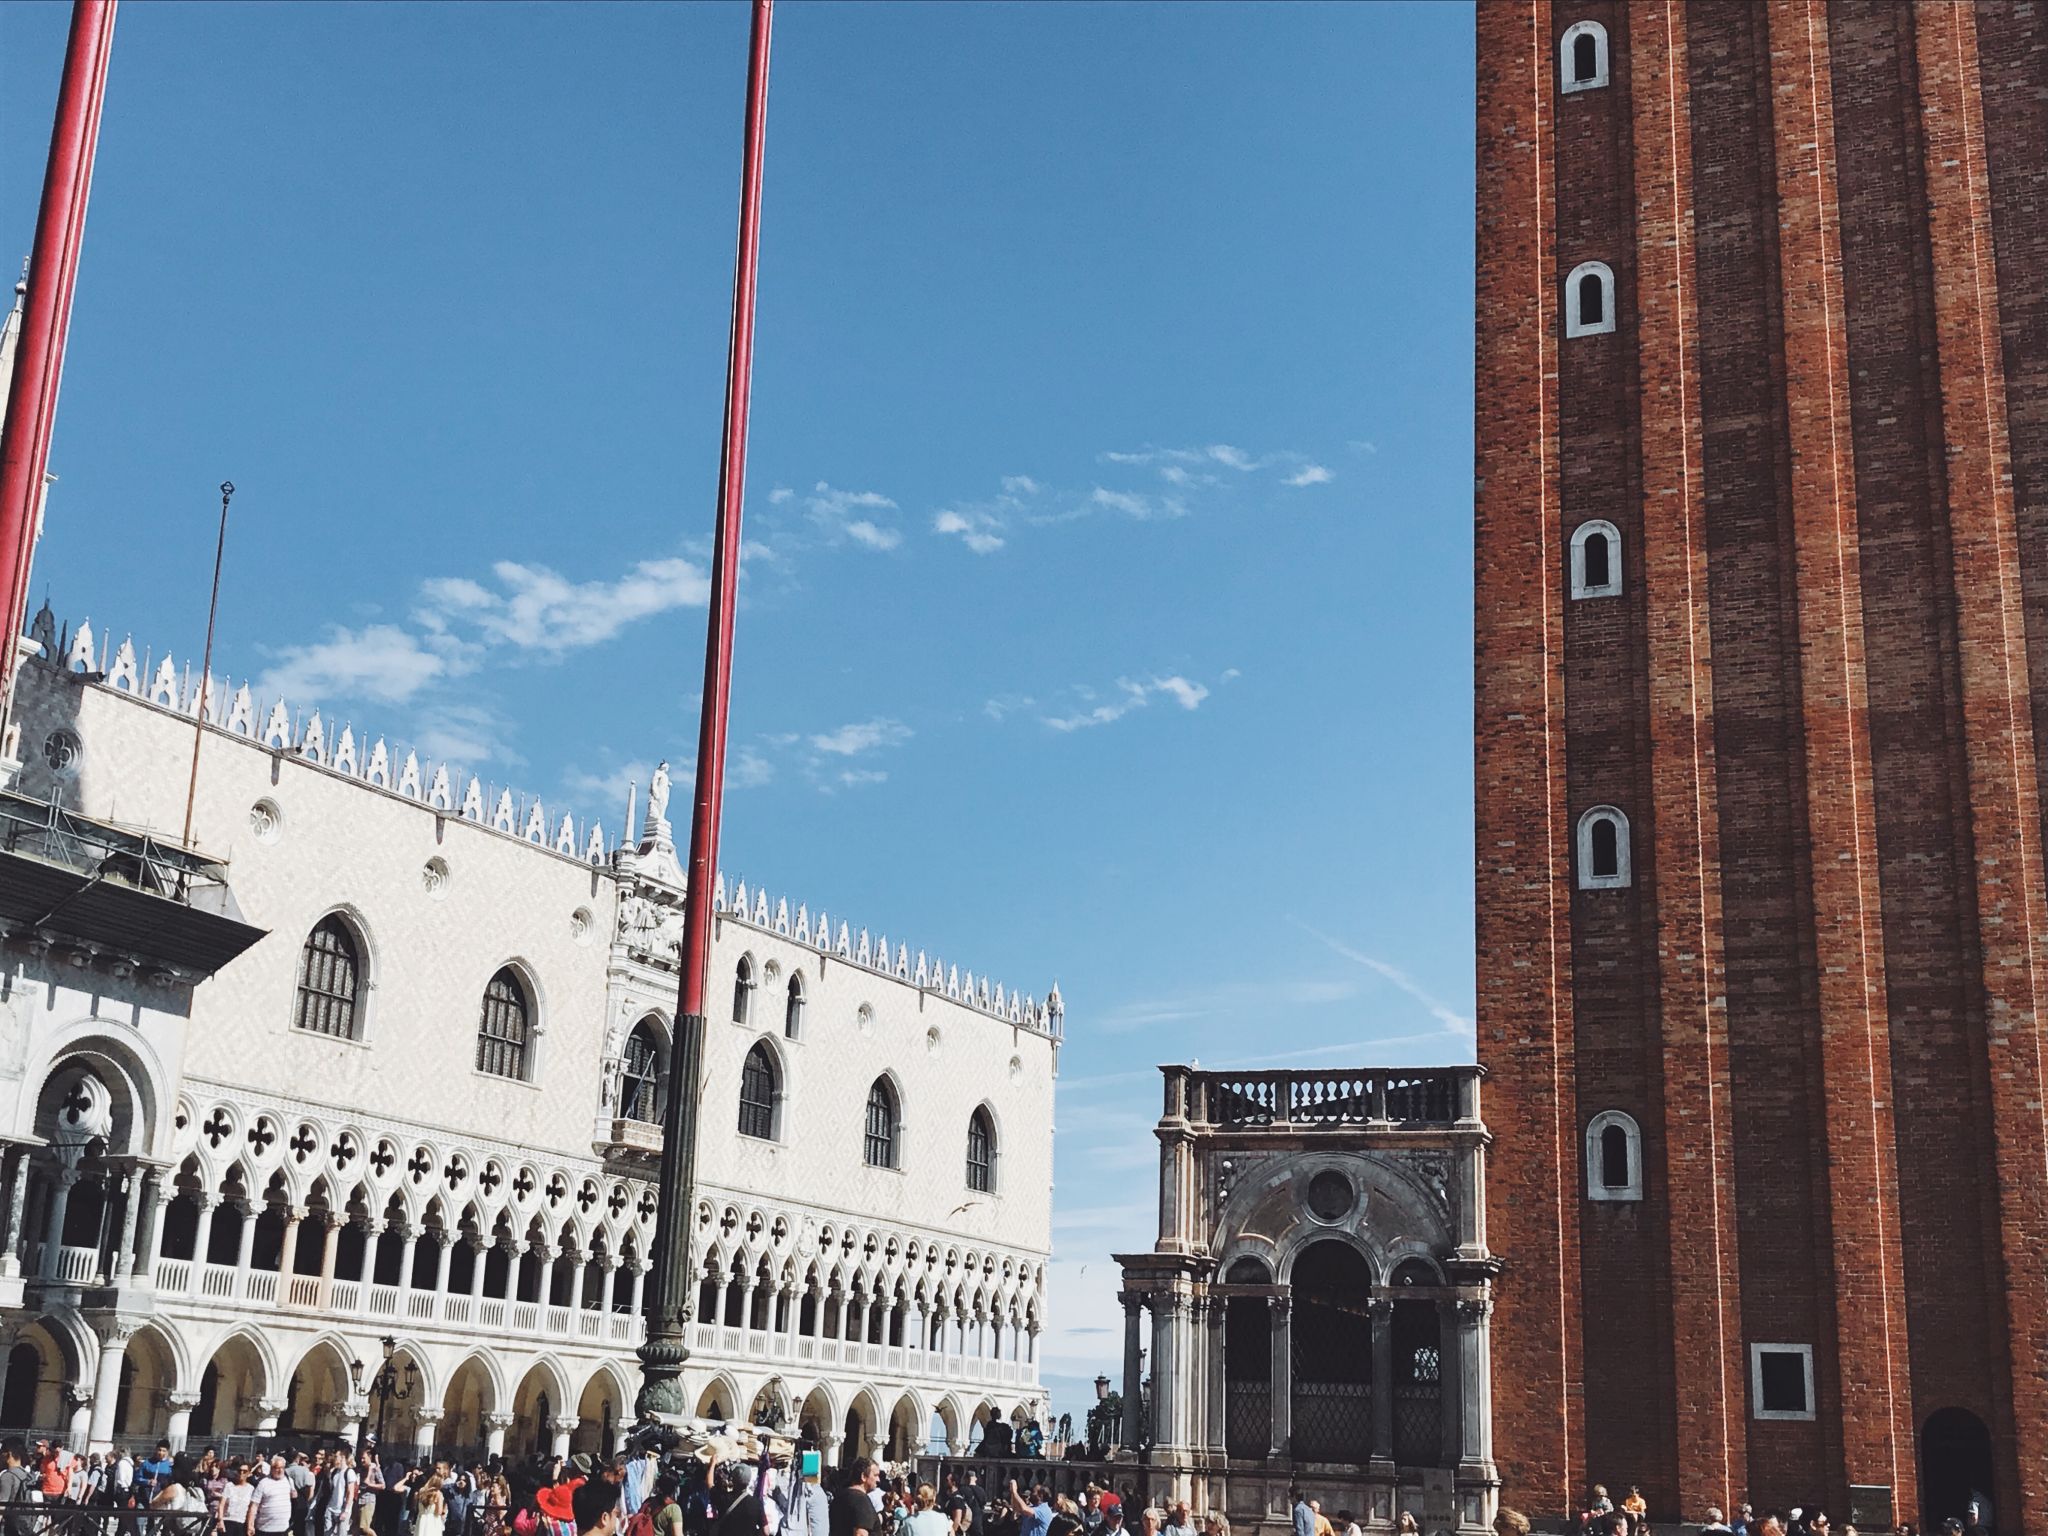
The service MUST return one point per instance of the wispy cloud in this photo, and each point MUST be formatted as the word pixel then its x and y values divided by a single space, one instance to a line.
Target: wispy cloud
pixel 468 734
pixel 1131 694
pixel 977 530
pixel 1310 474
pixel 1144 507
pixel 851 516
pixel 862 736
pixel 1453 1021
pixel 380 662
pixel 533 609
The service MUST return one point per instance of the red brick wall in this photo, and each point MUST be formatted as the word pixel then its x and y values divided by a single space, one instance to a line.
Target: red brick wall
pixel 1822 429
pixel 1522 867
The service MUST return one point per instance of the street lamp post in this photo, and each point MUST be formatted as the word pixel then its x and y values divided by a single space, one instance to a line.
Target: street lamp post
pixel 391 1384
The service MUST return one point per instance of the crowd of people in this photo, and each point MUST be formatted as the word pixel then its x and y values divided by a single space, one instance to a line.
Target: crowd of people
pixel 47 1490
pixel 1602 1516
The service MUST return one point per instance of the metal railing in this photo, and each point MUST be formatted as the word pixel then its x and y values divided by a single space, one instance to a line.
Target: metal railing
pixel 1426 1096
pixel 45 830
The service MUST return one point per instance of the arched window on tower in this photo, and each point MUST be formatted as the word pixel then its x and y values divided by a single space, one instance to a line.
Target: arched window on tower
pixel 641 1073
pixel 502 1033
pixel 1614 1157
pixel 1596 560
pixel 1603 849
pixel 981 1151
pixel 1589 299
pixel 793 1008
pixel 758 1092
pixel 330 965
pixel 878 1144
pixel 1582 57
pixel 743 990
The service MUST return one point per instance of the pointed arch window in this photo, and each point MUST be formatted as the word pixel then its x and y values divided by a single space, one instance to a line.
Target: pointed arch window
pixel 1582 57
pixel 758 1084
pixel 878 1145
pixel 1596 560
pixel 1603 849
pixel 743 990
pixel 793 1008
pixel 506 1026
pixel 640 1074
pixel 330 970
pixel 1589 299
pixel 981 1152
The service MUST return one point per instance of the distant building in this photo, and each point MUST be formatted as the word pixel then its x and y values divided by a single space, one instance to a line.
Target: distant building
pixel 1317 1299
pixel 420 1097
pixel 1762 664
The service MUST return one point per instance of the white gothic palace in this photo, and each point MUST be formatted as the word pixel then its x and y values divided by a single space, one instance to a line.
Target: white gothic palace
pixel 382 1057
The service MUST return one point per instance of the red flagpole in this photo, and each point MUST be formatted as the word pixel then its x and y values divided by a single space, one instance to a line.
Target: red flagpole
pixel 46 314
pixel 668 1297
pixel 709 796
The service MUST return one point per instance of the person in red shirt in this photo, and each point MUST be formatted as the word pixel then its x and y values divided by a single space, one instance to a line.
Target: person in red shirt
pixel 50 1471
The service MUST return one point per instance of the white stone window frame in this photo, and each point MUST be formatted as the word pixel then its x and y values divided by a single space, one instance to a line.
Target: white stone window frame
pixel 1623 874
pixel 1574 325
pixel 746 985
pixel 531 1063
pixel 366 978
pixel 1596 1135
pixel 1756 1381
pixel 1568 82
pixel 1581 588
pixel 995 1148
pixel 778 1124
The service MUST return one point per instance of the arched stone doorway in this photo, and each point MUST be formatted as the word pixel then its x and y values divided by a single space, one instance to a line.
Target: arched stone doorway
pixel 535 1405
pixel 1330 1349
pixel 231 1390
pixel 1955 1467
pixel 597 1415
pixel 908 1431
pixel 469 1399
pixel 149 1374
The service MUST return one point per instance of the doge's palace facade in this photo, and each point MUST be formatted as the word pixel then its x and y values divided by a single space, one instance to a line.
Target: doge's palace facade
pixel 426 1106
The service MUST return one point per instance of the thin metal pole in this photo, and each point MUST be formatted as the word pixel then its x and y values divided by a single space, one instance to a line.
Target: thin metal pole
pixel 53 273
pixel 668 1300
pixel 220 544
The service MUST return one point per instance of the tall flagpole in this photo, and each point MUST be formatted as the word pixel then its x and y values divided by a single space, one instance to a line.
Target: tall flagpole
pixel 46 315
pixel 669 1297
pixel 204 697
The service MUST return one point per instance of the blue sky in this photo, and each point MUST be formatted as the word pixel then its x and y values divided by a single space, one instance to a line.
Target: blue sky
pixel 1106 615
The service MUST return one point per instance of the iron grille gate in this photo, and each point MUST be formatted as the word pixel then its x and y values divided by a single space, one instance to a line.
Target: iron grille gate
pixel 1418 1410
pixel 1332 1420
pixel 1331 1402
pixel 1248 1418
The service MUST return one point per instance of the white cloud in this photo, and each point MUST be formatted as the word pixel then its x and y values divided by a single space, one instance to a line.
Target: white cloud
pixel 977 530
pixel 607 791
pixel 853 778
pixel 466 734
pixel 538 610
pixel 1019 485
pixel 864 736
pixel 1130 695
pixel 1236 458
pixel 750 769
pixel 1006 704
pixel 381 662
pixel 861 531
pixel 1135 504
pixel 842 515
pixel 1360 445
pixel 1310 474
pixel 780 494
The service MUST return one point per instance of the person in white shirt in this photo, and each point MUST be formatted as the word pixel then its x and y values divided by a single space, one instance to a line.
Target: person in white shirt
pixel 339 1505
pixel 235 1500
pixel 270 1504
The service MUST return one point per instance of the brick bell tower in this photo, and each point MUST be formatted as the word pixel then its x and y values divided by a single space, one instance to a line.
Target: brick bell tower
pixel 1761 641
